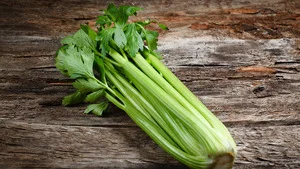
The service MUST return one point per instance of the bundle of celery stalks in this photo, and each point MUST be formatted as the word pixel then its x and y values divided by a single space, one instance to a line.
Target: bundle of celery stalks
pixel 119 63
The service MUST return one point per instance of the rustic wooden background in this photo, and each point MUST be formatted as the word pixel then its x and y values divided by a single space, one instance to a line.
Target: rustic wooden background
pixel 241 58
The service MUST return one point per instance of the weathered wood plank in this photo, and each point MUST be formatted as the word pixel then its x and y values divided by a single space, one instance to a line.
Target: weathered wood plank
pixel 205 51
pixel 111 147
pixel 200 51
pixel 233 112
pixel 235 96
pixel 268 19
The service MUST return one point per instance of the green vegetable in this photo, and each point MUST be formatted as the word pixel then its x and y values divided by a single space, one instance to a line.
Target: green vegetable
pixel 119 63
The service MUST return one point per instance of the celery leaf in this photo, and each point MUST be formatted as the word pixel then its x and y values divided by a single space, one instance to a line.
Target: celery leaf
pixel 97 109
pixel 73 99
pixel 134 40
pixel 119 37
pixel 105 36
pixel 74 62
pixel 87 85
pixel 93 97
pixel 151 38
pixel 90 32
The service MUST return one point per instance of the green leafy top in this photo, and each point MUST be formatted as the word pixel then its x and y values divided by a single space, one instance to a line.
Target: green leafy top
pixel 119 16
pixel 114 29
pixel 83 52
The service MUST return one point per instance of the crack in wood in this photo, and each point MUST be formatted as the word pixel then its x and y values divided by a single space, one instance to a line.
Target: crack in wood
pixel 286 62
pixel 84 18
pixel 191 65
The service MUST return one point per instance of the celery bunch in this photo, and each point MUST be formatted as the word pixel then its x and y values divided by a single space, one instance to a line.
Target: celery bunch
pixel 119 64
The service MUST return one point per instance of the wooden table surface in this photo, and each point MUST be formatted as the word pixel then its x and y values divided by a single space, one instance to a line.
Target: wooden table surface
pixel 241 58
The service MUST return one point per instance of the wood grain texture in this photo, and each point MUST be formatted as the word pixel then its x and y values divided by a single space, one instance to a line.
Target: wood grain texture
pixel 241 58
